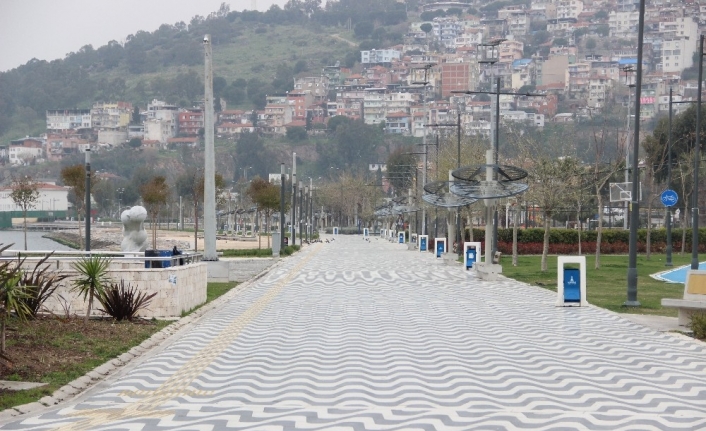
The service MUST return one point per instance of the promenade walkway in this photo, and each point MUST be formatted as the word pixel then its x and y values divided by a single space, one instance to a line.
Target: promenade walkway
pixel 358 335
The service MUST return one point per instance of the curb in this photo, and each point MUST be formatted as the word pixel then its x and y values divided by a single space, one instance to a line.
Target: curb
pixel 80 385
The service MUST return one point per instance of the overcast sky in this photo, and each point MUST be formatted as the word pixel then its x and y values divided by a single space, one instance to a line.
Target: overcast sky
pixel 49 29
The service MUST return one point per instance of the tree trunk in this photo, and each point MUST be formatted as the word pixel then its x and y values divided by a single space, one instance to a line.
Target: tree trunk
pixel 545 248
pixel 514 237
pixel 80 237
pixel 196 227
pixel 599 236
pixel 25 224
pixel 90 304
pixel 2 336
pixel 259 237
pixel 267 228
pixel 578 226
pixel 648 239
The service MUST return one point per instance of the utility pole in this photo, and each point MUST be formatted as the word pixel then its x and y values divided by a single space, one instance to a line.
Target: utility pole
pixel 294 198
pixel 281 206
pixel 209 206
pixel 88 200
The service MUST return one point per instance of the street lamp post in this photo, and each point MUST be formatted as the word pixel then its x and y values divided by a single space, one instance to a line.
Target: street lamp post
pixel 697 156
pixel 88 199
pixel 294 198
pixel 281 206
pixel 496 146
pixel 668 260
pixel 635 215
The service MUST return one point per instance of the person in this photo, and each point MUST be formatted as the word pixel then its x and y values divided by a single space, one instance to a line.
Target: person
pixel 176 252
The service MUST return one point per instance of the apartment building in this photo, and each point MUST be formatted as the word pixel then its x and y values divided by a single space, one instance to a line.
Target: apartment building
pixel 68 119
pixel 105 116
pixel 374 106
pixel 568 8
pixel 623 24
pixel 316 86
pixel 455 77
pixel 25 151
pixel 190 122
pixel 379 56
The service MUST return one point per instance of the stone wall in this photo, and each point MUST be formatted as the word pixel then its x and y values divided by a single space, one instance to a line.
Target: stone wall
pixel 237 269
pixel 178 288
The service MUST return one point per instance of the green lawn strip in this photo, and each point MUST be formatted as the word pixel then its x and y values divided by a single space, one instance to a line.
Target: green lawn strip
pixel 606 287
pixel 213 291
pixel 93 351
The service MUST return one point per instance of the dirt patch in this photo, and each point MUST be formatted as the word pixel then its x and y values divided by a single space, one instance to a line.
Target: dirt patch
pixel 50 350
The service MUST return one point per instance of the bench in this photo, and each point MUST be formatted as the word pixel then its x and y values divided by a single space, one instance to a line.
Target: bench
pixel 694 300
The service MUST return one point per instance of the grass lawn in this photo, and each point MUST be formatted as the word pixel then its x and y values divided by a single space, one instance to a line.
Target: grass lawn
pixel 607 287
pixel 56 351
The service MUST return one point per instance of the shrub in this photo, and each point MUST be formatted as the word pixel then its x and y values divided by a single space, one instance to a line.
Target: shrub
pixel 39 286
pixel 123 302
pixel 697 324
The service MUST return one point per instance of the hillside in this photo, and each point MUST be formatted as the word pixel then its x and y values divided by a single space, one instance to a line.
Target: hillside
pixel 255 53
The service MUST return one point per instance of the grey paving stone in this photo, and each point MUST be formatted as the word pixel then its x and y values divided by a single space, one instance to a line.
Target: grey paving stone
pixel 370 336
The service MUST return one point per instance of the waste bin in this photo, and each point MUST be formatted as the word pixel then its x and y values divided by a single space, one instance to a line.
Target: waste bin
pixel 572 285
pixel 150 253
pixel 164 263
pixel 440 248
pixel 470 256
pixel 422 244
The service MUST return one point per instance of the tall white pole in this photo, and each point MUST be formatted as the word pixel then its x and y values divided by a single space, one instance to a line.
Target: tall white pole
pixel 424 168
pixel 627 162
pixel 209 205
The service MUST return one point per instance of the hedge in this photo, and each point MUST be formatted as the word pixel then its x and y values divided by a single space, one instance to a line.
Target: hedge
pixel 565 241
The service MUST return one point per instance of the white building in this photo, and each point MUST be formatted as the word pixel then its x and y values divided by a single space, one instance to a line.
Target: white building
pixel 51 198
pixel 68 119
pixel 623 24
pixel 374 106
pixel 680 39
pixel 569 8
pixel 378 56
pixel 536 120
pixel 158 130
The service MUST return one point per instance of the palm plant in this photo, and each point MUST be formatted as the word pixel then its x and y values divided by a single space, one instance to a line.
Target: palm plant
pixel 91 280
pixel 40 285
pixel 12 294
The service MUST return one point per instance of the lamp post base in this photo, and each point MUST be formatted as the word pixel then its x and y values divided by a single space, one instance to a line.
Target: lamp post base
pixel 631 304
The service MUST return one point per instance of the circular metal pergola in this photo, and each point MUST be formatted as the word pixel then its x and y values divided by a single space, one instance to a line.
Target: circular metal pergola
pixel 474 183
pixel 440 194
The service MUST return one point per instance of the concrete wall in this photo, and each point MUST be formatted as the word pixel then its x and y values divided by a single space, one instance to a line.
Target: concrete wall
pixel 179 288
pixel 237 269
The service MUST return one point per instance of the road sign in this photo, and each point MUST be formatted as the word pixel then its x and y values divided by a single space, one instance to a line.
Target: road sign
pixel 669 198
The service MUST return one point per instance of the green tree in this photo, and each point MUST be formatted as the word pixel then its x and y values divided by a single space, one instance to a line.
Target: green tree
pixel 426 27
pixel 25 194
pixel 135 143
pixel 591 44
pixel 401 168
pixel 91 280
pixel 296 133
pixel 75 178
pixel 267 198
pixel 155 195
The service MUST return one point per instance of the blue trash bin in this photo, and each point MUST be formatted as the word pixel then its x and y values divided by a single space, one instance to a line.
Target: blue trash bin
pixel 470 256
pixel 150 263
pixel 439 248
pixel 165 263
pixel 572 285
pixel 422 244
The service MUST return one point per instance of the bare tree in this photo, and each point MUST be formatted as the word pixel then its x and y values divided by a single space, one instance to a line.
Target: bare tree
pixel 75 177
pixel 155 195
pixel 25 193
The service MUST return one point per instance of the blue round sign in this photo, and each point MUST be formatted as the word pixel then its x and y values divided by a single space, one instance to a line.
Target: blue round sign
pixel 669 198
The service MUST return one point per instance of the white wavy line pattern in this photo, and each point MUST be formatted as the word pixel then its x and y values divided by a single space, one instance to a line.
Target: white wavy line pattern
pixel 370 336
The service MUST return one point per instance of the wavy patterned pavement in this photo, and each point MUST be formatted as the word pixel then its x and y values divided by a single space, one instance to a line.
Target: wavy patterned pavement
pixel 358 335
